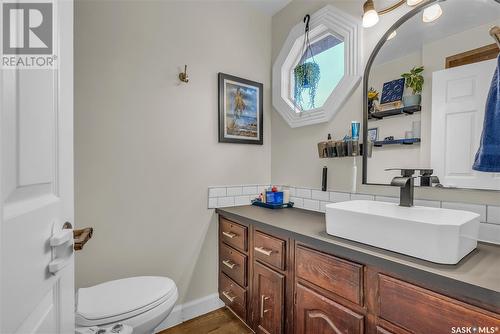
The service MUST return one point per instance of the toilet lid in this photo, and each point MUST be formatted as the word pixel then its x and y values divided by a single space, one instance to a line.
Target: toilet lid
pixel 123 296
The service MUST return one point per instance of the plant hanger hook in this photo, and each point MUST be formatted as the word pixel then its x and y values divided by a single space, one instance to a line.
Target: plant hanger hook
pixel 307 18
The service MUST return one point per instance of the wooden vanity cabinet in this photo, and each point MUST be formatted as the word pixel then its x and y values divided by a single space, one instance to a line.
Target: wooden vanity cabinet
pixel 316 313
pixel 268 299
pixel 233 266
pixel 276 284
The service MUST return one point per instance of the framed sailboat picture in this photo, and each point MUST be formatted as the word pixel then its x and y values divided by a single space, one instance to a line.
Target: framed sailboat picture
pixel 240 110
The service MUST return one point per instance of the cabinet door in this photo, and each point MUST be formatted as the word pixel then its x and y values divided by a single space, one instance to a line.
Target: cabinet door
pixel 318 314
pixel 268 299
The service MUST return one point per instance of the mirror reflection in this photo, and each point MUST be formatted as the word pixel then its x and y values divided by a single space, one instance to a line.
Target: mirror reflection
pixel 428 87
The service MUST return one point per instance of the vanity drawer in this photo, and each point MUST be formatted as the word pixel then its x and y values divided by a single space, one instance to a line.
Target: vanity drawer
pixel 422 311
pixel 343 278
pixel 269 250
pixel 233 234
pixel 233 296
pixel 234 264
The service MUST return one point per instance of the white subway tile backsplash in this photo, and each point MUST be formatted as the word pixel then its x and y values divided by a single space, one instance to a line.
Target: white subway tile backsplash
pixel 217 192
pixel 212 202
pixel 479 209
pixel 234 191
pixel 311 204
pixel 225 201
pixel 313 199
pixel 387 199
pixel 489 233
pixel 320 195
pixel 322 206
pixel 242 200
pixel 249 190
pixel 493 214
pixel 298 202
pixel 339 197
pixel 424 202
pixel 364 197
pixel 303 192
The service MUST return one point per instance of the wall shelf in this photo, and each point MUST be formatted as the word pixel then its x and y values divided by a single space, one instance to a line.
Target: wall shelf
pixel 395 112
pixel 409 141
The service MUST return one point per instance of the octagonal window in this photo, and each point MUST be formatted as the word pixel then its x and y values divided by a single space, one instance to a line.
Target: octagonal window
pixel 331 60
pixel 328 54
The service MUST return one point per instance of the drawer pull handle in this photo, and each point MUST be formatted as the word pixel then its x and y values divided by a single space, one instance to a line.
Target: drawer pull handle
pixel 228 296
pixel 263 299
pixel 266 252
pixel 230 235
pixel 229 264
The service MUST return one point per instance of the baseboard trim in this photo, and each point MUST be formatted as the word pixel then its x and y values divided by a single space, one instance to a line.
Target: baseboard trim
pixel 190 310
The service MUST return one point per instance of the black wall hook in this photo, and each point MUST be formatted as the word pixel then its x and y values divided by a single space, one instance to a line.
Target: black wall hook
pixel 307 18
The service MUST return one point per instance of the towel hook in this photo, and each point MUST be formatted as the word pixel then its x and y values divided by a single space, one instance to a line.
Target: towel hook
pixel 183 76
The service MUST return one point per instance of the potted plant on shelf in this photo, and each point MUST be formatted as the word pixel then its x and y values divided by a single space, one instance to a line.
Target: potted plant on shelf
pixel 414 80
pixel 306 78
pixel 372 97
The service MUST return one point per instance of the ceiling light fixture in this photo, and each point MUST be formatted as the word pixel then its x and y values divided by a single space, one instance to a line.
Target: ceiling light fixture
pixel 412 3
pixel 432 13
pixel 371 15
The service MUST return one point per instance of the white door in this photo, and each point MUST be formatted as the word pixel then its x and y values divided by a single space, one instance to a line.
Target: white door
pixel 36 190
pixel 458 104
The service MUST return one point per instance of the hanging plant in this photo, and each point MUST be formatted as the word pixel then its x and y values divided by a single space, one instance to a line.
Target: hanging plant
pixel 307 77
pixel 306 73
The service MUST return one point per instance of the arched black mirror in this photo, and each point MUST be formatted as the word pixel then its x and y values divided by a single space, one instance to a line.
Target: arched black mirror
pixel 426 85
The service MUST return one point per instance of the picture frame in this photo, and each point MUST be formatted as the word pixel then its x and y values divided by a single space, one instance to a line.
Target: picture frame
pixel 373 134
pixel 392 91
pixel 240 110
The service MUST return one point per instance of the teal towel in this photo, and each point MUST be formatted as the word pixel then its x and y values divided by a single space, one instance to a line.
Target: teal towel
pixel 488 156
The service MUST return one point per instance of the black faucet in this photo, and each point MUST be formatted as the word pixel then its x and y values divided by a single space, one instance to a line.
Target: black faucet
pixel 427 179
pixel 406 183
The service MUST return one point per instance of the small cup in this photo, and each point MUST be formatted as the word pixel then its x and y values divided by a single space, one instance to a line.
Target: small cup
pixel 322 149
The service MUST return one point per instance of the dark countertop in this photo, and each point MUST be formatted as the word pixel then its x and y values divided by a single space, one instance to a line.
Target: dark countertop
pixel 476 277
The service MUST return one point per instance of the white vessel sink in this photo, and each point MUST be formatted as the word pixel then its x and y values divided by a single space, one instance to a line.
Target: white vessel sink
pixel 433 234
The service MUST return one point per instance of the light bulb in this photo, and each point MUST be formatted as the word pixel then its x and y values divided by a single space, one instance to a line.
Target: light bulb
pixel 432 13
pixel 413 2
pixel 370 15
pixel 392 35
pixel 370 18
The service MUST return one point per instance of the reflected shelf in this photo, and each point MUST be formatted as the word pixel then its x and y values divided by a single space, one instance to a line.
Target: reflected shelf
pixel 407 141
pixel 378 115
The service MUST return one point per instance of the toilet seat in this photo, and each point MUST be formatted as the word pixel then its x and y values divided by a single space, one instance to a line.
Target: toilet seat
pixel 115 301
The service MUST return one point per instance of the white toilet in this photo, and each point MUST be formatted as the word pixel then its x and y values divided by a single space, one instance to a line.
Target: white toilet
pixel 139 303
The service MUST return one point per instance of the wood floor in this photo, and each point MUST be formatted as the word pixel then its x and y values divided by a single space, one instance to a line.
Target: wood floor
pixel 220 321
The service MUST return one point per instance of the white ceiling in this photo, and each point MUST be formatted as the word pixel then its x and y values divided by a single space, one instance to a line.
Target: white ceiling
pixel 458 16
pixel 270 7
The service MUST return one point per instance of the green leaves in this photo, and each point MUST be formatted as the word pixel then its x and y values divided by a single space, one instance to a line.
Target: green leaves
pixel 414 79
pixel 306 77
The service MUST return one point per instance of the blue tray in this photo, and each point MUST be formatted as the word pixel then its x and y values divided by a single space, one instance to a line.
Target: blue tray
pixel 272 206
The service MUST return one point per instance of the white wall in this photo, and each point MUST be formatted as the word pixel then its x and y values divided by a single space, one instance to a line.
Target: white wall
pixel 146 145
pixel 295 160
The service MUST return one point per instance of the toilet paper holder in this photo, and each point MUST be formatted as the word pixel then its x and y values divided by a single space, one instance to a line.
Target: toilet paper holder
pixel 81 237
